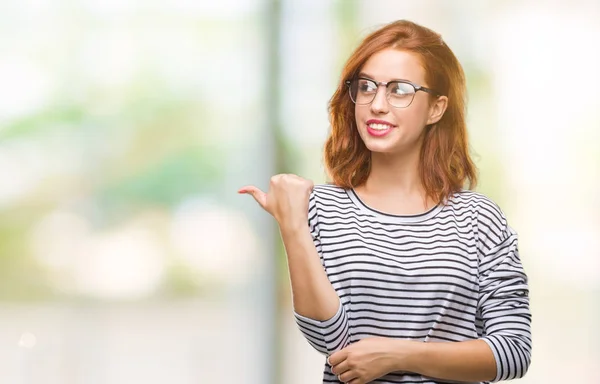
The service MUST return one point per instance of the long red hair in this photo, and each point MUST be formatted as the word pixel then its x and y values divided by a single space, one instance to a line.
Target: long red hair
pixel 445 163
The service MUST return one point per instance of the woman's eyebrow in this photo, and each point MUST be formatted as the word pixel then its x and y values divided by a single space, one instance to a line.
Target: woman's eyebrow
pixel 366 75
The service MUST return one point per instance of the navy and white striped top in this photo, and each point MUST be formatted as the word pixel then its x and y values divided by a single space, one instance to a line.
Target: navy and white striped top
pixel 450 274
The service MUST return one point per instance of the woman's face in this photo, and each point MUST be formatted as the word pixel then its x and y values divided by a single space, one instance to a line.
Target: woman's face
pixel 385 128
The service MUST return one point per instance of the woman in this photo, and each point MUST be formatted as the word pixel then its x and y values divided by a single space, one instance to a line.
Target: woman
pixel 398 274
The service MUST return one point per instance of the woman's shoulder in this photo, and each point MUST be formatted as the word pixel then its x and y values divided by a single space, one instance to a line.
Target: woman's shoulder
pixel 492 225
pixel 328 195
pixel 324 191
pixel 478 203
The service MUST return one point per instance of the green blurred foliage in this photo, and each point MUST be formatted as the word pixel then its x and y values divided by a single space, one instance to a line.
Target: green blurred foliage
pixel 145 153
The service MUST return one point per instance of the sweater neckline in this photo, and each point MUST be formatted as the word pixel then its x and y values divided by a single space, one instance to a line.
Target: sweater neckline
pixel 389 217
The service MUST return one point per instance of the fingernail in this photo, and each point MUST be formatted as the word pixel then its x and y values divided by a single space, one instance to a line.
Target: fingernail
pixel 242 191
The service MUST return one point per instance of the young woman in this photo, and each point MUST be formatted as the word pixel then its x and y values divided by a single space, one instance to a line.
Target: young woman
pixel 398 273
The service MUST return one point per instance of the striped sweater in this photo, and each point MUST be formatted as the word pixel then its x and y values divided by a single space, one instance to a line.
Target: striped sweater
pixel 450 274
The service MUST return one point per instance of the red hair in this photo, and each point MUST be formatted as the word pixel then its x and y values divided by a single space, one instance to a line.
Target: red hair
pixel 445 163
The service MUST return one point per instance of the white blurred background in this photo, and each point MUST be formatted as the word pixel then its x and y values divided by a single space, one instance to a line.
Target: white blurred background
pixel 127 126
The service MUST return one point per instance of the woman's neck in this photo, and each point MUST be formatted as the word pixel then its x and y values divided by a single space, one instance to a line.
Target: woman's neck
pixel 395 174
pixel 394 184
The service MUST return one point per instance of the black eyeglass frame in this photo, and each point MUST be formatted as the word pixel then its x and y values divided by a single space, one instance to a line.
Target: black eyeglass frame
pixel 379 83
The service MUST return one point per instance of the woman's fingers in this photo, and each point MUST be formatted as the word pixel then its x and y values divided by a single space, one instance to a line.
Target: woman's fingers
pixel 348 377
pixel 343 372
pixel 340 368
pixel 287 198
pixel 259 196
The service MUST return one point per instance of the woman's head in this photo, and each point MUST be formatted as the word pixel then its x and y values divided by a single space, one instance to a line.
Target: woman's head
pixel 419 107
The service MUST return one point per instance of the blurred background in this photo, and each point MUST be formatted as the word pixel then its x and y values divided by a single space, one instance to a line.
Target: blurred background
pixel 127 126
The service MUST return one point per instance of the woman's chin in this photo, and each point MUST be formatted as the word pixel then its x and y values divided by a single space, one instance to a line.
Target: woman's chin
pixel 381 147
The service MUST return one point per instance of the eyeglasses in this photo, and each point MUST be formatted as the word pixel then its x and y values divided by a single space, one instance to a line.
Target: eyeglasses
pixel 399 93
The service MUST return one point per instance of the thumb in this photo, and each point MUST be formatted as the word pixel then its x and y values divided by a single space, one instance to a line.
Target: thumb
pixel 259 196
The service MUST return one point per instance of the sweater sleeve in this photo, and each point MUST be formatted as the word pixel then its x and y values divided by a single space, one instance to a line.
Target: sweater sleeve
pixel 503 302
pixel 330 335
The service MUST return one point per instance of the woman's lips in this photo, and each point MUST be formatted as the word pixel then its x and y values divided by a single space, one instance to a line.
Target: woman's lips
pixel 379 128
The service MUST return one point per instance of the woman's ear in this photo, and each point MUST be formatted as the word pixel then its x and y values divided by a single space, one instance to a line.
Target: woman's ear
pixel 437 109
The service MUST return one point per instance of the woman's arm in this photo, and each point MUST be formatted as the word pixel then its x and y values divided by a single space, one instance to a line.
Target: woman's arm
pixel 374 357
pixel 312 293
pixel 504 351
pixel 469 361
pixel 317 308
pixel 320 315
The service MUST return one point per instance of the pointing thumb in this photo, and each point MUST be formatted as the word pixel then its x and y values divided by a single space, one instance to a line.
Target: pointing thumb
pixel 259 196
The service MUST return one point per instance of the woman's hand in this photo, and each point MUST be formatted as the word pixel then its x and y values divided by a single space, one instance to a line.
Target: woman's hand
pixel 366 360
pixel 286 200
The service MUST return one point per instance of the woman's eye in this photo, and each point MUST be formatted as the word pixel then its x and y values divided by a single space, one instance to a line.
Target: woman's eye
pixel 366 87
pixel 402 89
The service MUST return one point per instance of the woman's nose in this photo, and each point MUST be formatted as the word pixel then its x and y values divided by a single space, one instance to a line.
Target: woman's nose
pixel 380 103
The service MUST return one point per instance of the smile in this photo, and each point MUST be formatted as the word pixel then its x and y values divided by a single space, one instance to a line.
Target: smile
pixel 378 128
